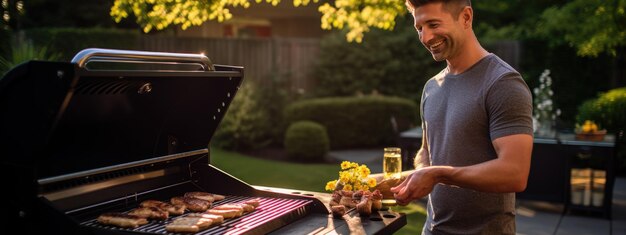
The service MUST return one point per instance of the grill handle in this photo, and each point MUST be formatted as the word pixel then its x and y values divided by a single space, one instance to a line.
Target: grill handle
pixel 92 54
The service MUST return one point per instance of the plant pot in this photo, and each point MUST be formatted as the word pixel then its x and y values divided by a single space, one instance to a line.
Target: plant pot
pixel 591 136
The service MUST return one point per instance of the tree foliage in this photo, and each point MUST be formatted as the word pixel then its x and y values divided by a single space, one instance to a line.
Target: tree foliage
pixel 358 16
pixel 391 63
pixel 591 26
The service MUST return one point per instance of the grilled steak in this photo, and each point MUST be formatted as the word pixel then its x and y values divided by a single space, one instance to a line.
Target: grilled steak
pixel 205 196
pixel 217 219
pixel 188 225
pixel 121 220
pixel 172 209
pixel 150 213
pixel 227 214
pixel 193 204
pixel 253 202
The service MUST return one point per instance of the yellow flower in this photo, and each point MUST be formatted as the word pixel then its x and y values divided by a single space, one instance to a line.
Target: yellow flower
pixel 364 171
pixel 371 182
pixel 353 177
pixel 331 185
pixel 345 165
pixel 344 177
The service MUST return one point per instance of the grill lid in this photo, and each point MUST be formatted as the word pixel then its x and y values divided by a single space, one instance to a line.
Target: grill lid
pixel 60 118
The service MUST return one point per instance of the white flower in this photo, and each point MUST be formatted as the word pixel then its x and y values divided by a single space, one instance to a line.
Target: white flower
pixel 544 106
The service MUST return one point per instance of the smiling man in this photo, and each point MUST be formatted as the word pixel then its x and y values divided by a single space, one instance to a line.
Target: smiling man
pixel 476 118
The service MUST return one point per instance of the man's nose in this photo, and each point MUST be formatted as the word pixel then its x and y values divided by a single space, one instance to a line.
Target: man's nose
pixel 426 36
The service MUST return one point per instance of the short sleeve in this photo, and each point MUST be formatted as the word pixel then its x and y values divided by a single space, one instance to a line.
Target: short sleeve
pixel 509 106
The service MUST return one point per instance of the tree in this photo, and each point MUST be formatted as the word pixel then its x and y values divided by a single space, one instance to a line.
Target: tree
pixel 591 26
pixel 358 16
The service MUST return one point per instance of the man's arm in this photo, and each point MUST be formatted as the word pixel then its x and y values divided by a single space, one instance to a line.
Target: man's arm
pixel 507 173
pixel 421 158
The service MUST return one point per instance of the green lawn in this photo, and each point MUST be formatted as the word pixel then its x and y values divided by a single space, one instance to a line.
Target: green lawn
pixel 309 177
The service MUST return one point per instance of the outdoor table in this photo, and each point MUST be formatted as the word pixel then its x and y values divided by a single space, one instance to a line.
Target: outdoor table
pixel 553 159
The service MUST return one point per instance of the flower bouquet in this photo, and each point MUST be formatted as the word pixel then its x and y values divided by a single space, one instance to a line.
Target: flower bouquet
pixel 352 189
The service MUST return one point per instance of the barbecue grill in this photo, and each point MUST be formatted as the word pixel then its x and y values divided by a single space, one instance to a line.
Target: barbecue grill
pixel 114 128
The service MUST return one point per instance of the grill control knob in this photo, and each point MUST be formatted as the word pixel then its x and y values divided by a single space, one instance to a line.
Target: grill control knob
pixel 145 89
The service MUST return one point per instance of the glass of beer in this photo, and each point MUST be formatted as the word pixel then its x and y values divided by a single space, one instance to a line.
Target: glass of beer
pixel 392 163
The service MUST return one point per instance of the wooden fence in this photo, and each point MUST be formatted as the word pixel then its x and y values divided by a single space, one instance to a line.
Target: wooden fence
pixel 266 59
pixel 263 59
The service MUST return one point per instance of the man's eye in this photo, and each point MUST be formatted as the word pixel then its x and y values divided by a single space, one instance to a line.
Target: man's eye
pixel 432 26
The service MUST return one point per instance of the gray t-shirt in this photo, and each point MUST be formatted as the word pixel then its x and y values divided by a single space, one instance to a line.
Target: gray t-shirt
pixel 463 114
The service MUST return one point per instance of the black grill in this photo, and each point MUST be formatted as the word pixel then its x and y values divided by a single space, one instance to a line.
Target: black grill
pixel 77 142
pixel 256 222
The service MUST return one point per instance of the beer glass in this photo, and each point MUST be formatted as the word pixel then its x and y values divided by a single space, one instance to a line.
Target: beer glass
pixel 392 163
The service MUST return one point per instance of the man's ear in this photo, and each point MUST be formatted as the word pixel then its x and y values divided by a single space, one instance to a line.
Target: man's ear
pixel 467 16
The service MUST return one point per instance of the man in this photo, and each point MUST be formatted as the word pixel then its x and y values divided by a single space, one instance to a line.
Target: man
pixel 477 129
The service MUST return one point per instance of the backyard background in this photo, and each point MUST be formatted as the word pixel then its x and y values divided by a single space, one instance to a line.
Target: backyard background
pixel 295 71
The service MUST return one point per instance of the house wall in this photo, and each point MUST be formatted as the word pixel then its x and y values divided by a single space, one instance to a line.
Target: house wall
pixel 263 21
pixel 297 28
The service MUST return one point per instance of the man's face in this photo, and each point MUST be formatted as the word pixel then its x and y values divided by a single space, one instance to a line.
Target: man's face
pixel 439 31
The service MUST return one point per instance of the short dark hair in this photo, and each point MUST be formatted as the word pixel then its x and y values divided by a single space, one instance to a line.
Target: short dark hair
pixel 452 6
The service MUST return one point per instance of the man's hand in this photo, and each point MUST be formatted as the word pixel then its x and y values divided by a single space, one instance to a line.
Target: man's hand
pixel 384 186
pixel 419 184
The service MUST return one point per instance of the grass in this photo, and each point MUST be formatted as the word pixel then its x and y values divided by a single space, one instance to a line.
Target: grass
pixel 256 171
pixel 309 177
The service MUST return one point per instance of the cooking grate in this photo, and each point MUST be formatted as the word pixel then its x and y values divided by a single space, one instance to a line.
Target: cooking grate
pixel 269 215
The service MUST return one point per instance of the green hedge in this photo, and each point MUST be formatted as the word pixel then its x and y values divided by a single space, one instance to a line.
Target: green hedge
pixel 247 124
pixel 355 121
pixel 608 110
pixel 306 140
pixel 69 41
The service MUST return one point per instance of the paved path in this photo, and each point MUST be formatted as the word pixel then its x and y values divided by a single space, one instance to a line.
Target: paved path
pixel 533 217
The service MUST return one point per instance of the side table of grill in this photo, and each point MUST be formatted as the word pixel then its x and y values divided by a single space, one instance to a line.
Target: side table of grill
pixel 380 222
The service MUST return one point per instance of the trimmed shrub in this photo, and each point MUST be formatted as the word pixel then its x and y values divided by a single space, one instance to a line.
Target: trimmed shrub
pixel 306 140
pixel 246 123
pixel 355 121
pixel 608 110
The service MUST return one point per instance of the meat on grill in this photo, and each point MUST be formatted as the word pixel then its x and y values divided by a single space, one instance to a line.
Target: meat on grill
pixel 121 220
pixel 205 196
pixel 232 206
pixel 188 225
pixel 253 202
pixel 227 214
pixel 150 213
pixel 172 209
pixel 217 219
pixel 193 204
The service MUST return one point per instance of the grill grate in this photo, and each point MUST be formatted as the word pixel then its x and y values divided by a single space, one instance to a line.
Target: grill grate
pixel 270 210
